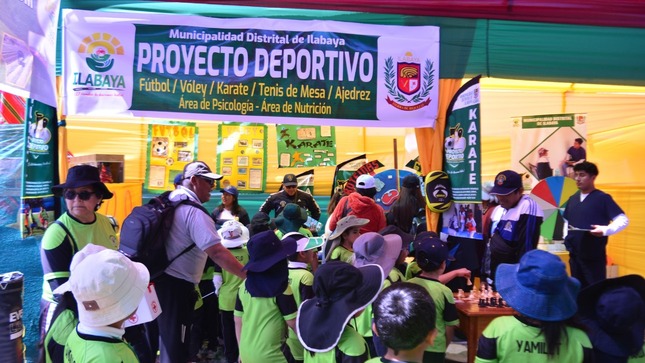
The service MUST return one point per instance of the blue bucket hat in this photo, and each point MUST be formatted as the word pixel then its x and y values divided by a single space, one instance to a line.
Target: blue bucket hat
pixel 538 287
pixel 265 250
pixel 614 311
pixel 341 290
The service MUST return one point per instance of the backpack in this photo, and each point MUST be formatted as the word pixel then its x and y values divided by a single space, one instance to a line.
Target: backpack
pixel 144 232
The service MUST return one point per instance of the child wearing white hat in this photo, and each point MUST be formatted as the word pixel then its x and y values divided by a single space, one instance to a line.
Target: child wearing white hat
pixel 234 236
pixel 108 288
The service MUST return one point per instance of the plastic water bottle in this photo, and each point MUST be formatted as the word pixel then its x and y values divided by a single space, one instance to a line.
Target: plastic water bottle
pixel 313 224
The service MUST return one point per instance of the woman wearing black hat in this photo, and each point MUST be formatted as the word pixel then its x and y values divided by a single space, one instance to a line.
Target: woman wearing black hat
pixel 83 192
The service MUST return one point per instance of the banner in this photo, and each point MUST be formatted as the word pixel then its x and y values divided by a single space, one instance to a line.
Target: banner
pixel 40 168
pixel 250 70
pixel 306 146
pixel 344 171
pixel 367 168
pixel 306 181
pixel 242 155
pixel 462 148
pixel 543 144
pixel 12 109
pixel 414 164
pixel 171 146
pixel 28 31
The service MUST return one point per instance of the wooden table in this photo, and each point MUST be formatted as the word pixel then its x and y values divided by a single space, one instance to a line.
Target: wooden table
pixel 474 319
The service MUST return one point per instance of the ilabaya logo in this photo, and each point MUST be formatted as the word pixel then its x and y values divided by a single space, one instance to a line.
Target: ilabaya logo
pixel 100 50
pixel 407 84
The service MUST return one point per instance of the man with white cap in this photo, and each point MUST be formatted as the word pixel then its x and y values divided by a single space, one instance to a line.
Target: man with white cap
pixel 108 288
pixel 361 204
pixel 176 286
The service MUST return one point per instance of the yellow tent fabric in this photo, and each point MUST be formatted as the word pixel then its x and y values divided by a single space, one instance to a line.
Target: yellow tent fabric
pixel 615 135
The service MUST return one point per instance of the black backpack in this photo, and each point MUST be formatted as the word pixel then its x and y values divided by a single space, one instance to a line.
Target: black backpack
pixel 144 232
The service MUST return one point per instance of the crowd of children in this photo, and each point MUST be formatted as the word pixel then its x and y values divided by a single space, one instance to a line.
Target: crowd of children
pixel 353 297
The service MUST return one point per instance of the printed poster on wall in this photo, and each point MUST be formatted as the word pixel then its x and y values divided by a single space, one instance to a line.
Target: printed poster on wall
pixel 548 145
pixel 241 156
pixel 171 146
pixel 278 71
pixel 306 146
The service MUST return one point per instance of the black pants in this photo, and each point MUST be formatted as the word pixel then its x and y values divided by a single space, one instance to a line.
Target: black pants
pixel 231 350
pixel 206 325
pixel 587 271
pixel 177 298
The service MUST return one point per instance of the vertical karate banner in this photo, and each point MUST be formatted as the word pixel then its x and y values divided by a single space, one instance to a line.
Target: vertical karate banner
pixel 171 146
pixel 541 143
pixel 242 155
pixel 462 150
pixel 306 146
pixel 40 168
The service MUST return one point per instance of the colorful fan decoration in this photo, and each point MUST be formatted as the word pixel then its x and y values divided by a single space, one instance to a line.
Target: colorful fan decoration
pixel 552 194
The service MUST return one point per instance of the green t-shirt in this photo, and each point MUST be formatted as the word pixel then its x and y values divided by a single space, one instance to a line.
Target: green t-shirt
pixel 351 347
pixel 363 322
pixel 263 324
pixel 230 282
pixel 341 253
pixel 385 360
pixel 446 311
pixel 94 349
pixel 638 357
pixel 413 270
pixel 396 276
pixel 57 335
pixel 56 256
pixel 297 278
pixel 507 339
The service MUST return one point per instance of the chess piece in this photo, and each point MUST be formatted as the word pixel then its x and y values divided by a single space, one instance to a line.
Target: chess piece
pixel 460 294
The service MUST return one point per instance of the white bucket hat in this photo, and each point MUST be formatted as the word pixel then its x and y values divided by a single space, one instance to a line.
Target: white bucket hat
pixel 233 234
pixel 107 286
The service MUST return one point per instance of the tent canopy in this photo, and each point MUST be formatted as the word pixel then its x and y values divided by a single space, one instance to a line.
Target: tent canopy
pixel 493 47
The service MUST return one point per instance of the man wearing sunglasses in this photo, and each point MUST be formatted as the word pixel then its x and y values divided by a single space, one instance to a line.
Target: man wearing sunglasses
pixel 192 226
pixel 290 194
pixel 83 192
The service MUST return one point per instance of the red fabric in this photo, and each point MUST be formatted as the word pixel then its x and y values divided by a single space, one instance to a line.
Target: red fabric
pixel 362 207
pixel 12 108
pixel 619 13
